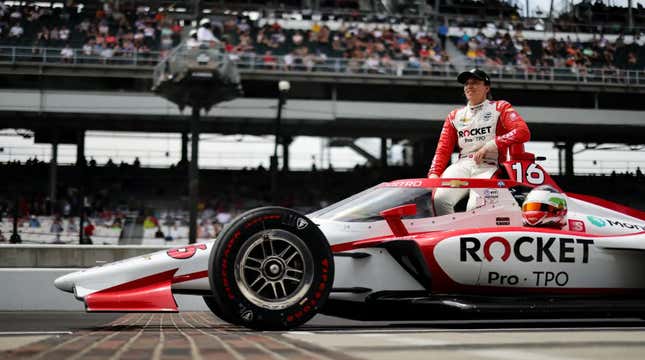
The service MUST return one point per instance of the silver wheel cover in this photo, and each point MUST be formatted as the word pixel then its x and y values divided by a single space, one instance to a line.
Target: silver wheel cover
pixel 274 269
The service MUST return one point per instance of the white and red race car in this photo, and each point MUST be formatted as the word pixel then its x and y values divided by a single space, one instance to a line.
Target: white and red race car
pixel 382 254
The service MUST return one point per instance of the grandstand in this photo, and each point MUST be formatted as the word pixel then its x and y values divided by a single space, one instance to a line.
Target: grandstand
pixel 338 55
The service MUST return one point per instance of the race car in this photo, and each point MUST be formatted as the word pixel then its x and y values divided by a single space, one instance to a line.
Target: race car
pixel 522 249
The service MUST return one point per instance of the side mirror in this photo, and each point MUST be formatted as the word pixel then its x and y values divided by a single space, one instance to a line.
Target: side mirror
pixel 393 217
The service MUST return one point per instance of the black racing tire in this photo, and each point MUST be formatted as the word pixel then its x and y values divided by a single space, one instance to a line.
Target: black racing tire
pixel 217 311
pixel 271 269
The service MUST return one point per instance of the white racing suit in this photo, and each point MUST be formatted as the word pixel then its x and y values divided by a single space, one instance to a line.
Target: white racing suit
pixel 494 125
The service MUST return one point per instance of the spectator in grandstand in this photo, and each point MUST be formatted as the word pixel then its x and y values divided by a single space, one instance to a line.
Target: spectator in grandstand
pixel 71 225
pixel 192 41
pixel 88 232
pixel 33 222
pixel 443 34
pixel 16 31
pixel 223 215
pixel 205 34
pixel 483 130
pixel 2 238
pixel 57 228
pixel 67 54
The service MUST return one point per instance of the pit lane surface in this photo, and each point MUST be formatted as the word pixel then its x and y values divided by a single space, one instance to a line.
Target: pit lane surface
pixel 200 335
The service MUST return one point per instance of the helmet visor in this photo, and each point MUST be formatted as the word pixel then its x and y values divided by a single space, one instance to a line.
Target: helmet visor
pixel 536 206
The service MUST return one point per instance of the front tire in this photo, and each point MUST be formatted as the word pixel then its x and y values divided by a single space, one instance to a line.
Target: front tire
pixel 217 310
pixel 272 268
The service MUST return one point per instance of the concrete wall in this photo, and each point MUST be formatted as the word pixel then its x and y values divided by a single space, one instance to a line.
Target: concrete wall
pixel 68 256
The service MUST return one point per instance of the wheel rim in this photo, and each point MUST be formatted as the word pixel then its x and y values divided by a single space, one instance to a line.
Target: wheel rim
pixel 274 269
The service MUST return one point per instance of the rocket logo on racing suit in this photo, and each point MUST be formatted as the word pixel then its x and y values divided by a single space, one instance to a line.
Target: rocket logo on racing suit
pixel 473 126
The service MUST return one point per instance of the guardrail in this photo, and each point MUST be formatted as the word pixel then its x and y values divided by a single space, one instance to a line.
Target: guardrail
pixel 250 62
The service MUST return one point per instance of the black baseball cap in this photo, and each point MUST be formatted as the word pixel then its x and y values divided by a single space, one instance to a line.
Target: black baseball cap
pixel 473 73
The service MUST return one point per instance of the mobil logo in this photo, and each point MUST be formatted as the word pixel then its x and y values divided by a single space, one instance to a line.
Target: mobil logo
pixel 476 131
pixel 525 248
pixel 596 221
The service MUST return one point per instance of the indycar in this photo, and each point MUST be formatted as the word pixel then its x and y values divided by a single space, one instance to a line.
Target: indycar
pixel 383 254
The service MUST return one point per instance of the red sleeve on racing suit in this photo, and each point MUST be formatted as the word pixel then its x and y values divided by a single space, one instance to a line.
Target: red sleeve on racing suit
pixel 445 146
pixel 511 129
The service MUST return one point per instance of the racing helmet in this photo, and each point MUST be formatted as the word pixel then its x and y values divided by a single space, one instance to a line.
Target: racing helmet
pixel 544 206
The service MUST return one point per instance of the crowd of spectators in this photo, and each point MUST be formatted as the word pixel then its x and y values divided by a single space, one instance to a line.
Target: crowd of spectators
pixel 503 51
pixel 362 47
pixel 119 31
pixel 115 30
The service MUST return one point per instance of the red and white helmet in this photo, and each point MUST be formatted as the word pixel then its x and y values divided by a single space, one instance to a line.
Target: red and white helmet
pixel 545 207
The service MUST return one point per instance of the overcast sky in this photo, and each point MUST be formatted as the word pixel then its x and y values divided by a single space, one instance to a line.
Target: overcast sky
pixel 561 4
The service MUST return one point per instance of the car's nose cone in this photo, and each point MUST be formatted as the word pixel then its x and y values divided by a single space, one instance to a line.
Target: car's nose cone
pixel 65 282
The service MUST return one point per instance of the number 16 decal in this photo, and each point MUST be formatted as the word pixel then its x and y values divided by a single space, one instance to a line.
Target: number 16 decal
pixel 533 174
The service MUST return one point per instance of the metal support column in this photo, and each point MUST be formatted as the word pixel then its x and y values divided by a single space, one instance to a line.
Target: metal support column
pixel 80 168
pixel 53 169
pixel 274 158
pixel 286 142
pixel 15 237
pixel 568 158
pixel 595 101
pixel 193 177
pixel 184 148
pixel 383 152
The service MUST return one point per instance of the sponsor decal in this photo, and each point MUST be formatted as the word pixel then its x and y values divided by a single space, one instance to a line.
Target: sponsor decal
pixel 247 315
pixel 491 193
pixel 602 222
pixel 577 225
pixel 488 116
pixel 405 183
pixel 455 183
pixel 185 252
pixel 473 132
pixel 537 278
pixel 596 221
pixel 502 221
pixel 526 249
pixel 625 225
pixel 500 184
pixel 301 223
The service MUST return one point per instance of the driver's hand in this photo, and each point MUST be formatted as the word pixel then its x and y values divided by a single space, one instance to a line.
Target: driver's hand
pixel 479 155
pixel 433 176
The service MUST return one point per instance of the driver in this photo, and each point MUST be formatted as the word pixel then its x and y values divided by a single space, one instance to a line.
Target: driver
pixel 483 129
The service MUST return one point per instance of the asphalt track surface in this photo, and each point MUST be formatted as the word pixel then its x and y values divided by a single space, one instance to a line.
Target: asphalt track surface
pixel 200 335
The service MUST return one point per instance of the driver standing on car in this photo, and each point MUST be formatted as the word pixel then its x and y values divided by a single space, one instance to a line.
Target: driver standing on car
pixel 483 129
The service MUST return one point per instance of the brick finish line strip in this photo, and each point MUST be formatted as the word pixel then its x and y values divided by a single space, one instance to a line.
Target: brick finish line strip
pixel 189 335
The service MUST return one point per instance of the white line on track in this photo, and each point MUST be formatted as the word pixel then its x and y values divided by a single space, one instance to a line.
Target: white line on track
pixel 453 330
pixel 517 354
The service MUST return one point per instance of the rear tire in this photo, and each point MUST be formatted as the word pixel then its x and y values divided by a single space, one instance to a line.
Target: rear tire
pixel 272 269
